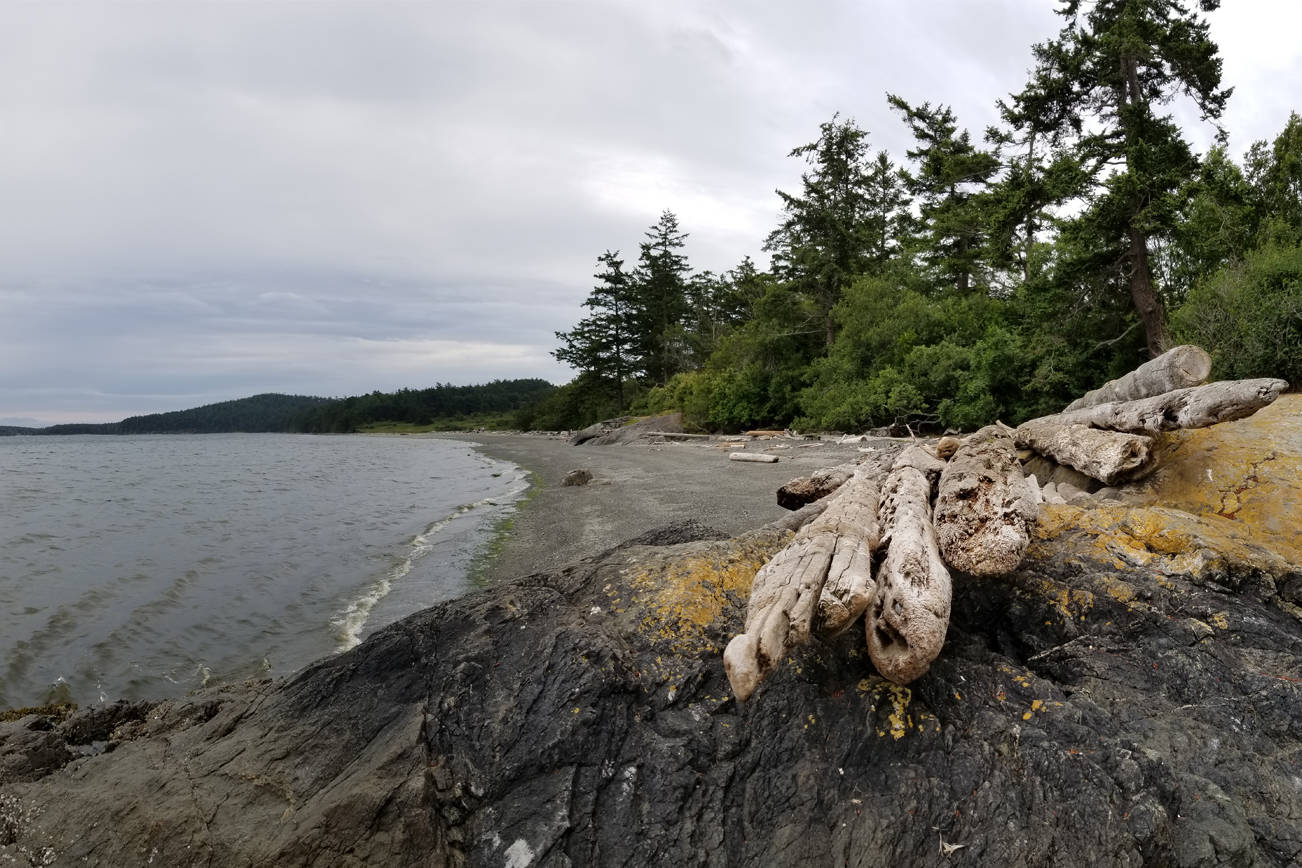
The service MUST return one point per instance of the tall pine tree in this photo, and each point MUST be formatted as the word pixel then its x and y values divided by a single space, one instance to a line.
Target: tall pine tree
pixel 603 344
pixel 825 241
pixel 1099 87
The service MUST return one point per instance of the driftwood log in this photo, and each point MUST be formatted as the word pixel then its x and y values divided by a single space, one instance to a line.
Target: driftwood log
pixel 1194 407
pixel 816 486
pixel 1108 456
pixel 984 506
pixel 836 548
pixel 1177 368
pixel 909 616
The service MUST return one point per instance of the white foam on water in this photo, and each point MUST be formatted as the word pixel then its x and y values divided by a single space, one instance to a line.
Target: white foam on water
pixel 351 622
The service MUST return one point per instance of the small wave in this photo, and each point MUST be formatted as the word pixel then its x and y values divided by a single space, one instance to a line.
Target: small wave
pixel 350 623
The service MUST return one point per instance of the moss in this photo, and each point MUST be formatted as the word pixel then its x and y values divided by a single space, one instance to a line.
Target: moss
pixel 60 711
pixel 481 564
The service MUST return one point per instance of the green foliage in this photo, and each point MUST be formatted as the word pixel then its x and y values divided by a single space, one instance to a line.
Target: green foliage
pixel 1249 316
pixel 605 344
pixel 444 403
pixel 831 231
pixel 577 404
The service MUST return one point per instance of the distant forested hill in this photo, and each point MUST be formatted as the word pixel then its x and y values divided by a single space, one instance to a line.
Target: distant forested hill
pixel 260 413
pixel 444 404
pixel 268 413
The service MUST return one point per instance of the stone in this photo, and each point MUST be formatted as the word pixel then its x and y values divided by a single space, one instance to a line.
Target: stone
pixel 579 476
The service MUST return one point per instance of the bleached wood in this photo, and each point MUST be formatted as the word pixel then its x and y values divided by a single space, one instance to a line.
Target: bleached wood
pixel 819 484
pixel 1108 456
pixel 984 506
pixel 1177 368
pixel 825 569
pixel 909 615
pixel 757 457
pixel 1195 407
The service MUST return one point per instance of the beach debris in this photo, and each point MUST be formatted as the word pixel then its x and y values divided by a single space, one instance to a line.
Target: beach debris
pixel 908 619
pixel 984 506
pixel 966 505
pixel 787 591
pixel 1177 368
pixel 757 457
pixel 1108 456
pixel 807 489
pixel 578 476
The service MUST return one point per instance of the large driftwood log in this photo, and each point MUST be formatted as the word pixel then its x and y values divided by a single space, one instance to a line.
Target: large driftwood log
pixel 1177 368
pixel 1195 407
pixel 1108 456
pixel 908 618
pixel 984 505
pixel 834 548
pixel 816 486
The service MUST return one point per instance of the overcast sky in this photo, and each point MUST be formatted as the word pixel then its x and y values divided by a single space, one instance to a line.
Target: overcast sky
pixel 206 201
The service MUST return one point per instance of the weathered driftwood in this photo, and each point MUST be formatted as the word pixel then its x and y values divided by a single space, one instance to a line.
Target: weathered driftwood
pixel 852 521
pixel 909 615
pixel 1108 456
pixel 1177 368
pixel 984 505
pixel 1195 407
pixel 786 592
pixel 819 484
pixel 758 457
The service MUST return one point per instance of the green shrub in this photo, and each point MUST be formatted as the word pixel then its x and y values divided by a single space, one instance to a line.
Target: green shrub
pixel 1248 316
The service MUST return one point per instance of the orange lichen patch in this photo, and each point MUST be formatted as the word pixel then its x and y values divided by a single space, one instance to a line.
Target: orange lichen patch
pixel 674 601
pixel 1160 539
pixel 1248 472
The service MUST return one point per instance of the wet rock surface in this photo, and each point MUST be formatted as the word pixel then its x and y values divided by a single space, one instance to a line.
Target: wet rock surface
pixel 1131 695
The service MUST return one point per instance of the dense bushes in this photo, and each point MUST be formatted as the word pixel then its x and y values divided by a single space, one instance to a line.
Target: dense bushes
pixel 1249 316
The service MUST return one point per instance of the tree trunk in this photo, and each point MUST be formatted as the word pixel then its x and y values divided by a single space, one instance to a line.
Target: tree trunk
pixel 1177 368
pixel 984 505
pixel 907 620
pixel 1108 456
pixel 1195 407
pixel 1144 296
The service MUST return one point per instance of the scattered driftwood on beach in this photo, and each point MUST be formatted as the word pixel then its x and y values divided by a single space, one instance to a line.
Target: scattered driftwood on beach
pixel 970 513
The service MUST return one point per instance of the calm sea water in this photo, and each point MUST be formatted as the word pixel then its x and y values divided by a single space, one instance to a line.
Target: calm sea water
pixel 143 567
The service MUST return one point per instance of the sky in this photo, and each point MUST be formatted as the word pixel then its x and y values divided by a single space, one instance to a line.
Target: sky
pixel 201 202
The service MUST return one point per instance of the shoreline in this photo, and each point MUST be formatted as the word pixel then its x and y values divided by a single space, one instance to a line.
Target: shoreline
pixel 635 488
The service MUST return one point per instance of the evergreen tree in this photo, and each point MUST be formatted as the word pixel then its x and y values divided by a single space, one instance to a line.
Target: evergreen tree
pixel 602 344
pixel 1275 172
pixel 949 174
pixel 660 287
pixel 887 211
pixel 825 241
pixel 1098 87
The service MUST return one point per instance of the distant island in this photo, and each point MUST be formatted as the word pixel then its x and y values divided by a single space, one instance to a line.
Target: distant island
pixel 441 407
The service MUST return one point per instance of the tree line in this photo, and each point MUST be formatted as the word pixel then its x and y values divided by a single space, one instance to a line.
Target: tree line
pixel 980 277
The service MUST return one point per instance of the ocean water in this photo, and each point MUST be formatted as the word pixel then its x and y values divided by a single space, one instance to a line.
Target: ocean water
pixel 145 567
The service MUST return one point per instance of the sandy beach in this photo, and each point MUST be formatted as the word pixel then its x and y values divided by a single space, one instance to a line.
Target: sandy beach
pixel 636 488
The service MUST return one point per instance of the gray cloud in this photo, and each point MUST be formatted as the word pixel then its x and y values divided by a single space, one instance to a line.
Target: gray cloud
pixel 201 201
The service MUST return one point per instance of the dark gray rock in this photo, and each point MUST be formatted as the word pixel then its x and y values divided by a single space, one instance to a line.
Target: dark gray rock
pixel 579 476
pixel 1083 712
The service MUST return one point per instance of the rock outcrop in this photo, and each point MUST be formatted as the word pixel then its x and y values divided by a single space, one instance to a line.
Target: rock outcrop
pixel 1130 695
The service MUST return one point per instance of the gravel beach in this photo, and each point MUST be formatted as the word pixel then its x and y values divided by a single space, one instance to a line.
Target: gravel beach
pixel 636 488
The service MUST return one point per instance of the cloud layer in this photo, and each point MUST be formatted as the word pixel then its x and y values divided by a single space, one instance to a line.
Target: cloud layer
pixel 203 201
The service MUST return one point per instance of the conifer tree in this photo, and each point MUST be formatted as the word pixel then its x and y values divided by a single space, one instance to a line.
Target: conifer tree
pixel 825 241
pixel 660 287
pixel 1099 88
pixel 949 174
pixel 602 344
